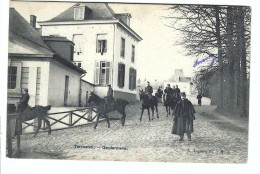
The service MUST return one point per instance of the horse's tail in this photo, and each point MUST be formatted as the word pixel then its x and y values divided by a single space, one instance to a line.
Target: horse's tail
pixel 47 107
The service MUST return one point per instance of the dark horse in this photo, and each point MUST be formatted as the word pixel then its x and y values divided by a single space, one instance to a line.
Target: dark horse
pixel 169 103
pixel 39 112
pixel 148 103
pixel 118 104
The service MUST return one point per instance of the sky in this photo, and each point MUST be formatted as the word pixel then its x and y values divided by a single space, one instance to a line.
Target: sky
pixel 157 56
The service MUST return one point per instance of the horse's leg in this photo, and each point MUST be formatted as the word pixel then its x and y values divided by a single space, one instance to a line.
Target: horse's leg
pixel 48 124
pixel 156 108
pixel 108 123
pixel 122 111
pixel 39 126
pixel 98 115
pixel 142 113
pixel 166 110
pixel 148 113
pixel 152 108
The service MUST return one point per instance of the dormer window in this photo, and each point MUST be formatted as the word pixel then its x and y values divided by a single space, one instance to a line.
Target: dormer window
pixel 79 13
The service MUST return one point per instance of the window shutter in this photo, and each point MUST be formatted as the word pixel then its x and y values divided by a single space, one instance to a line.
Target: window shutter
pixel 123 75
pixel 97 72
pixel 119 76
pixel 105 46
pixel 134 87
pixel 108 75
pixel 98 46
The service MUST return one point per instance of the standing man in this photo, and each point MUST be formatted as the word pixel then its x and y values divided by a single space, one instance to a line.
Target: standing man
pixel 183 118
pixel 23 103
pixel 199 99
pixel 149 90
pixel 178 92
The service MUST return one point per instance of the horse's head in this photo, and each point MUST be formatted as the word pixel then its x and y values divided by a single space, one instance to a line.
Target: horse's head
pixel 93 98
pixel 141 93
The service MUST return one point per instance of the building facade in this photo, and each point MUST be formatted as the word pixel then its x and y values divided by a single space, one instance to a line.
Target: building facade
pixel 51 78
pixel 105 45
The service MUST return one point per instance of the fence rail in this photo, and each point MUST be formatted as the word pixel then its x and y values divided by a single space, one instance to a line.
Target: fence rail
pixel 70 119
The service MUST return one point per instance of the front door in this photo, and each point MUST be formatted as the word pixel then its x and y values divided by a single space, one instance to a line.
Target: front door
pixel 66 92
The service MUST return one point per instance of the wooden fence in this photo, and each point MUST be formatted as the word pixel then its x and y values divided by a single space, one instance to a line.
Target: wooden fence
pixel 58 120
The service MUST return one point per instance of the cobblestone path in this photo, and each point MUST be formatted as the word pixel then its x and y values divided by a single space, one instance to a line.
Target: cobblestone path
pixel 216 139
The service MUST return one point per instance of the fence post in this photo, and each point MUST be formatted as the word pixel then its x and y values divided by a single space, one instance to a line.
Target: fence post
pixel 9 139
pixel 90 114
pixel 70 118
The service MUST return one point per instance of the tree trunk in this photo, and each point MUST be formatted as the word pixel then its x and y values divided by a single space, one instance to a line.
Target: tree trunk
pixel 230 56
pixel 242 54
pixel 220 61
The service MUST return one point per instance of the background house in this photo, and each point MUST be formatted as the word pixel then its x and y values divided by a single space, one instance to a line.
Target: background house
pixel 105 45
pixel 184 83
pixel 51 78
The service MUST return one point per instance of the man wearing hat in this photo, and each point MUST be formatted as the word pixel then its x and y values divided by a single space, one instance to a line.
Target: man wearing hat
pixel 149 90
pixel 109 98
pixel 23 103
pixel 183 118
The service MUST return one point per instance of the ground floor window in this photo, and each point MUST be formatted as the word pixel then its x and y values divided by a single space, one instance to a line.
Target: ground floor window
pixel 121 75
pixel 12 76
pixel 103 73
pixel 132 79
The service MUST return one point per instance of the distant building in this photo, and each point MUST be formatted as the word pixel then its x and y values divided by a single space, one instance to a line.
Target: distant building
pixel 47 72
pixel 178 78
pixel 105 45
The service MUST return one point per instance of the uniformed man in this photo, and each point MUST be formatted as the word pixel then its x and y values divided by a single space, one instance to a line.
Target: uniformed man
pixel 109 98
pixel 23 103
pixel 199 99
pixel 178 92
pixel 149 90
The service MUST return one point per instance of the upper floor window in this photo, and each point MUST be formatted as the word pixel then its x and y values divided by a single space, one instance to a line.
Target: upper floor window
pixel 122 52
pixel 78 41
pixel 12 75
pixel 102 46
pixel 133 54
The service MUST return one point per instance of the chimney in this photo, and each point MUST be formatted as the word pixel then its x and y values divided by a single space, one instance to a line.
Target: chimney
pixel 33 21
pixel 125 17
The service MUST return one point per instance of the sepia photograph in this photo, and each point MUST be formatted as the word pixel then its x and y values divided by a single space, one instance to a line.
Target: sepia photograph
pixel 130 82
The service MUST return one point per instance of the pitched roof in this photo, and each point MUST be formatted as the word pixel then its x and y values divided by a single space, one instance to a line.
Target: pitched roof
pixel 97 11
pixel 25 41
pixel 21 28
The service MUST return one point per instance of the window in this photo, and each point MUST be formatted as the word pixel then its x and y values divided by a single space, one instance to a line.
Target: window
pixel 25 78
pixel 79 65
pixel 122 53
pixel 38 83
pixel 132 79
pixel 79 13
pixel 121 75
pixel 133 54
pixel 102 46
pixel 78 41
pixel 12 75
pixel 102 74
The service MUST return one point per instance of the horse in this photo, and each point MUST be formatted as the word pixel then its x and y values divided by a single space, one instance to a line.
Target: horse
pixel 148 103
pixel 39 112
pixel 169 103
pixel 118 104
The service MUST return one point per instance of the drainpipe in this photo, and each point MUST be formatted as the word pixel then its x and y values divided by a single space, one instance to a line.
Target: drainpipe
pixel 80 90
pixel 113 58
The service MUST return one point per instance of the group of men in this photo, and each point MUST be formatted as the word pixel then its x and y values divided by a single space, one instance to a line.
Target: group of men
pixel 183 112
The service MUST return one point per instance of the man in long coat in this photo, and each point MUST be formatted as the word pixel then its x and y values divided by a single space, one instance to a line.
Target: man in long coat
pixel 183 118
pixel 23 103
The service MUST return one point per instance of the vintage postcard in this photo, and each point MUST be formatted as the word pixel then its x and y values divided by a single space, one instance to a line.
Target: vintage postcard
pixel 106 81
